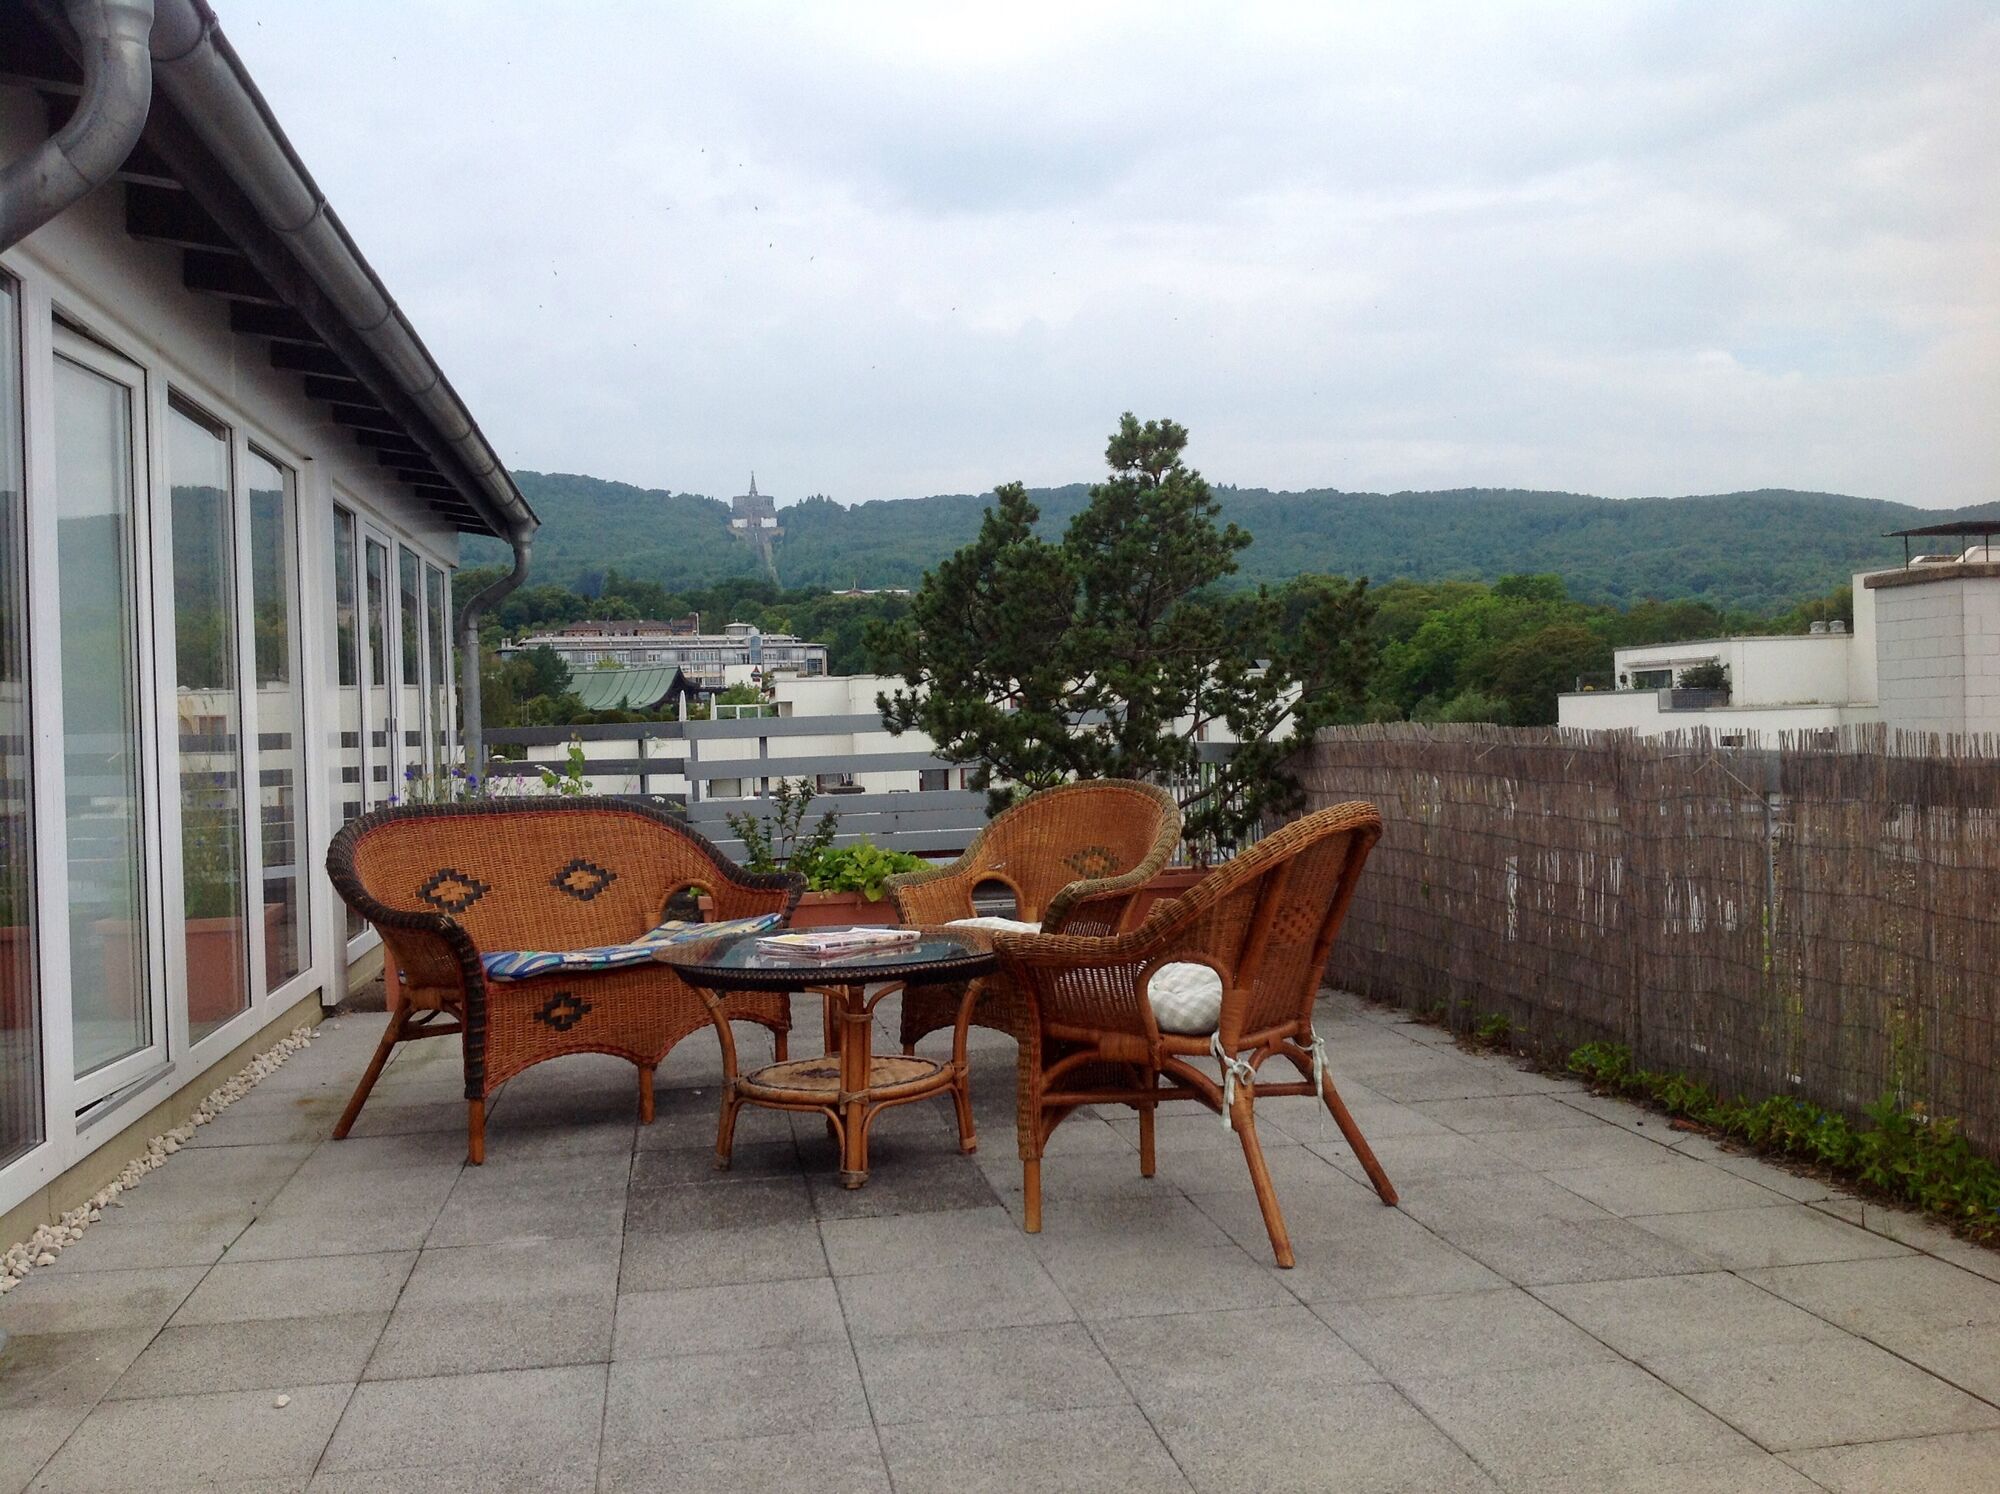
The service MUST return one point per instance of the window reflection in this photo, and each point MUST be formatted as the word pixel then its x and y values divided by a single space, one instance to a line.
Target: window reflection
pixel 281 806
pixel 20 1011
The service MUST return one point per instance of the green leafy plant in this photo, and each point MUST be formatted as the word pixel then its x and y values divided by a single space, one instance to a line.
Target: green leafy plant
pixel 1903 1152
pixel 862 867
pixel 569 780
pixel 1493 1030
pixel 211 862
pixel 782 842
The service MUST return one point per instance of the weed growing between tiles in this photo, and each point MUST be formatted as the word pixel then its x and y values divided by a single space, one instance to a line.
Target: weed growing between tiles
pixel 49 1241
pixel 1907 1155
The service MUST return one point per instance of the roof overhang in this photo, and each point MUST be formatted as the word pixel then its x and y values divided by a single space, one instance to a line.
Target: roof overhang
pixel 214 177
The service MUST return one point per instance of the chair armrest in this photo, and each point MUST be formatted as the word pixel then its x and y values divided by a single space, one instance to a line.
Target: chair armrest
pixel 741 894
pixel 1096 905
pixel 937 895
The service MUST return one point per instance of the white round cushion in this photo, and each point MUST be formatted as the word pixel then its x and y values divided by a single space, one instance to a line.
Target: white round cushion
pixel 1001 925
pixel 1186 998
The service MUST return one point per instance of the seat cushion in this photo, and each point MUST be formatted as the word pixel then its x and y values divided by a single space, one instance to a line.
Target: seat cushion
pixel 527 964
pixel 998 925
pixel 1186 998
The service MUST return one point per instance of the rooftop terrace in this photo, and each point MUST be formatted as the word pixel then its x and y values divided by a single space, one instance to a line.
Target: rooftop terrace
pixel 1572 1297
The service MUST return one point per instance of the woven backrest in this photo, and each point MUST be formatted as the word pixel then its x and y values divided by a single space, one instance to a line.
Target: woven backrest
pixel 1268 918
pixel 551 873
pixel 1076 833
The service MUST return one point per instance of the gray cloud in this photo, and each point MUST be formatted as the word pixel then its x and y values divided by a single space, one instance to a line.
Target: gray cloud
pixel 885 250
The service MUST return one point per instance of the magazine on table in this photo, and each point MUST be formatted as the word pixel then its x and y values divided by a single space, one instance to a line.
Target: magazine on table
pixel 826 944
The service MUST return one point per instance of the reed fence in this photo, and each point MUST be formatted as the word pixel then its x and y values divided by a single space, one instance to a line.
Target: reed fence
pixel 1817 919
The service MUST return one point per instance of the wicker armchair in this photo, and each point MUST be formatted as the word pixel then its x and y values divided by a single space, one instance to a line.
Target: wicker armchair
pixel 445 883
pixel 1072 856
pixel 1265 924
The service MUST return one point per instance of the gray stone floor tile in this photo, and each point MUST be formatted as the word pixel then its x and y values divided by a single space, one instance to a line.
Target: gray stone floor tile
pixel 237 1292
pixel 1353 1254
pixel 1295 1168
pixel 668 1167
pixel 1464 1333
pixel 95 1301
pixel 1228 1354
pixel 1004 1293
pixel 461 1337
pixel 33 1433
pixel 1706 1313
pixel 1091 1175
pixel 915 1242
pixel 1138 1278
pixel 692 1210
pixel 388 1115
pixel 1570 1147
pixel 1366 1439
pixel 911 1186
pixel 556 1214
pixel 1958 1464
pixel 1484 1202
pixel 264 1354
pixel 1612 1415
pixel 532 1418
pixel 1116 1221
pixel 192 1439
pixel 990 1372
pixel 473 1479
pixel 353 1229
pixel 1966 1357
pixel 727 1319
pixel 652 1404
pixel 1558 1250
pixel 1878 1298
pixel 1676 1187
pixel 1425 1158
pixel 1504 1113
pixel 1844 1390
pixel 847 1461
pixel 195 1234
pixel 1753 1473
pixel 1750 1239
pixel 1100 1450
pixel 721 1257
pixel 1798 1187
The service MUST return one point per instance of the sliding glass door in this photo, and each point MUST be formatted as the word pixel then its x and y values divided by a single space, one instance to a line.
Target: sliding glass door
pixel 116 1014
pixel 281 716
pixel 21 1124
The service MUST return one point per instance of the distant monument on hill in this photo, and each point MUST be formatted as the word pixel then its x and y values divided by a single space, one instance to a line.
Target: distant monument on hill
pixel 753 518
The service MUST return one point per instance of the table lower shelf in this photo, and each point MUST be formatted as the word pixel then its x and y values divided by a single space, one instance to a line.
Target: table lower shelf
pixel 816 1081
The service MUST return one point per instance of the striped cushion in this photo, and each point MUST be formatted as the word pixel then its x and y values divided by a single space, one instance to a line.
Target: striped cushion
pixel 526 964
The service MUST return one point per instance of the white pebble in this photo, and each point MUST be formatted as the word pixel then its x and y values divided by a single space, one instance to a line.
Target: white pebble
pixel 46 1258
pixel 282 1401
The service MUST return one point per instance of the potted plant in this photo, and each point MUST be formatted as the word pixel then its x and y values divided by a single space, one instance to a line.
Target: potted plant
pixel 844 883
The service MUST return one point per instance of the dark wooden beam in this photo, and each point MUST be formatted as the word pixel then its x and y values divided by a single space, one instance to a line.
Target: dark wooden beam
pixel 172 217
pixel 365 417
pixel 280 323
pixel 418 477
pixel 348 390
pixel 409 461
pixel 227 275
pixel 390 441
pixel 294 358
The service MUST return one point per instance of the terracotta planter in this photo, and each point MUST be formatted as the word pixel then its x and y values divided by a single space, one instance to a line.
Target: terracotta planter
pixel 214 980
pixel 1170 883
pixel 828 910
pixel 17 985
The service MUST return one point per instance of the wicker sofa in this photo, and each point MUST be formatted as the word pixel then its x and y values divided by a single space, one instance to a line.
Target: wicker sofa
pixel 448 883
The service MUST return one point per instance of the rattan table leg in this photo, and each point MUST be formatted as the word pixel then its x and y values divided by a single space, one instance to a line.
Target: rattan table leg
pixel 857 1055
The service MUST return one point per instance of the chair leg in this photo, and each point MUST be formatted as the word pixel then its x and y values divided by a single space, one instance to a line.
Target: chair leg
pixel 475 1133
pixel 781 1044
pixel 1031 1195
pixel 1146 1136
pixel 1260 1178
pixel 1383 1187
pixel 645 1094
pixel 391 1035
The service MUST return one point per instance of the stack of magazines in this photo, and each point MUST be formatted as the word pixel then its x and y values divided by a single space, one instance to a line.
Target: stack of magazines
pixel 829 944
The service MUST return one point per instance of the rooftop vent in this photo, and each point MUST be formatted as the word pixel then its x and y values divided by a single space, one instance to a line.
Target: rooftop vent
pixel 1836 626
pixel 1818 629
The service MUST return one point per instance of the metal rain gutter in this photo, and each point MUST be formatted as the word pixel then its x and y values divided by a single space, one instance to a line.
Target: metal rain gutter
pixel 199 70
pixel 100 134
pixel 473 732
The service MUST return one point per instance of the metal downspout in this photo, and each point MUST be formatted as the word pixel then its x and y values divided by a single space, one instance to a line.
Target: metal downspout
pixel 100 134
pixel 473 727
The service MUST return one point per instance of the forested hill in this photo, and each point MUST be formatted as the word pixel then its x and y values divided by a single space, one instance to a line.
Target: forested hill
pixel 1738 550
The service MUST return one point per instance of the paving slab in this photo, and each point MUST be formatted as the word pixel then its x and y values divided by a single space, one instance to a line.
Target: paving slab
pixel 1096 1450
pixel 1009 1292
pixel 988 1372
pixel 513 1419
pixel 1953 1464
pixel 186 1440
pixel 1411 1337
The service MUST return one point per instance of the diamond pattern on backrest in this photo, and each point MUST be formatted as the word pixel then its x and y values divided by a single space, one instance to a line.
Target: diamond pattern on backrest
pixel 452 890
pixel 582 879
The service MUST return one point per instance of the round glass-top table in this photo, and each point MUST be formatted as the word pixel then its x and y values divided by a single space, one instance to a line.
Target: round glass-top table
pixel 850 1083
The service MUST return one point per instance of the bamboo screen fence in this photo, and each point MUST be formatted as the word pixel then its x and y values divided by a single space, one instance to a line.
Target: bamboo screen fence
pixel 1820 919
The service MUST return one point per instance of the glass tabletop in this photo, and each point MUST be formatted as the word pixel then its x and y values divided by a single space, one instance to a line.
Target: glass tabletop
pixel 738 958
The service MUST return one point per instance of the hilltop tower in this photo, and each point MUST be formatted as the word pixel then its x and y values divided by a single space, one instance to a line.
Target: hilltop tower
pixel 754 519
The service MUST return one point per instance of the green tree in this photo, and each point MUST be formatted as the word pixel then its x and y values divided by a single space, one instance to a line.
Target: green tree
pixel 1112 653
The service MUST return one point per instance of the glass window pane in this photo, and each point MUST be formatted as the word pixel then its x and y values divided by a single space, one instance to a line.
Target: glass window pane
pixel 20 1011
pixel 281 798
pixel 209 707
pixel 439 657
pixel 347 651
pixel 375 574
pixel 410 698
pixel 110 999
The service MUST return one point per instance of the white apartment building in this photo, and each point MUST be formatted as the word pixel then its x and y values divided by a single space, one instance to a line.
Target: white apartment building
pixel 1923 655
pixel 711 660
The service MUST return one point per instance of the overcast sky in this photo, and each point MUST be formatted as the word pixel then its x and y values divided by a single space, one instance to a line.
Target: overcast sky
pixel 885 250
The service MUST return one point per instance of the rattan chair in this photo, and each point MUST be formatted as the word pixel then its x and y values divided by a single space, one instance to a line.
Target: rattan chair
pixel 447 883
pixel 1265 923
